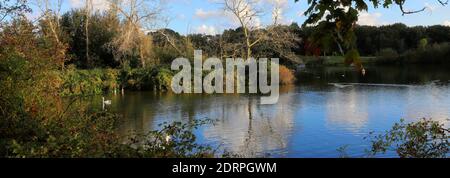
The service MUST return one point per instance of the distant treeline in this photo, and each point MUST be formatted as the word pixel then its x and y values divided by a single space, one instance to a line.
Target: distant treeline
pixel 167 44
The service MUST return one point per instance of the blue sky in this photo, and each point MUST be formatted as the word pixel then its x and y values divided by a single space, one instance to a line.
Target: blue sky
pixel 206 16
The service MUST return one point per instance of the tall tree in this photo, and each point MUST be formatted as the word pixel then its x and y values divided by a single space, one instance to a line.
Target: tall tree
pixel 88 8
pixel 51 26
pixel 138 17
pixel 247 14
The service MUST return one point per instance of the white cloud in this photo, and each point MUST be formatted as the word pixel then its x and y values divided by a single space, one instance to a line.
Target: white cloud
pixel 202 14
pixel 372 19
pixel 207 30
pixel 76 3
pixel 99 5
pixel 446 23
pixel 282 3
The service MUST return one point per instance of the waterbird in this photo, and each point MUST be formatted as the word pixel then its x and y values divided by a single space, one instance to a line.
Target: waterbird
pixel 340 85
pixel 168 138
pixel 106 102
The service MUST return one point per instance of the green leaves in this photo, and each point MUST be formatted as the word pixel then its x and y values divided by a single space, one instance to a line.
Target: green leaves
pixel 422 139
pixel 353 57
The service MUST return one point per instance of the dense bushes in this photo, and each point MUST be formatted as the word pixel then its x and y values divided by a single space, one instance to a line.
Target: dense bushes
pixel 423 139
pixel 88 82
pixel 387 55
pixel 155 78
pixel 77 82
pixel 429 54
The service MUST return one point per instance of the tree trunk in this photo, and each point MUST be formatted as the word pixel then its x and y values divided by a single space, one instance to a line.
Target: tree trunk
pixel 88 13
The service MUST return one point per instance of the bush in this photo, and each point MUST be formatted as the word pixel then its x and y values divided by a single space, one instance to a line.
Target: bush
pixel 174 140
pixel 88 82
pixel 286 76
pixel 423 139
pixel 431 54
pixel 156 78
pixel 387 55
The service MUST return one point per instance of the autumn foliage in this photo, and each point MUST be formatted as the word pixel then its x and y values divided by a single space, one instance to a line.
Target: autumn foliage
pixel 286 76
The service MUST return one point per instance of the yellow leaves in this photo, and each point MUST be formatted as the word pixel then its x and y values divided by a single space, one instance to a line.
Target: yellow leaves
pixel 286 76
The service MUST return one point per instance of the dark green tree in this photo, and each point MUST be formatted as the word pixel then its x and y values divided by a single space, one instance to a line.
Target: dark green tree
pixel 102 29
pixel 336 21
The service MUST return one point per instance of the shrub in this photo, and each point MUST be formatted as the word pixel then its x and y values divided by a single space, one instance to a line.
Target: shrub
pixel 162 79
pixel 286 76
pixel 156 78
pixel 387 55
pixel 429 54
pixel 88 82
pixel 174 140
pixel 423 139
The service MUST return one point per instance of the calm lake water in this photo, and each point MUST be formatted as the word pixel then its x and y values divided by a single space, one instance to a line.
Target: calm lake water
pixel 312 119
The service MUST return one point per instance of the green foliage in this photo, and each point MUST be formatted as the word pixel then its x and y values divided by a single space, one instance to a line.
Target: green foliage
pixel 423 139
pixel 430 54
pixel 93 136
pixel 88 135
pixel 352 57
pixel 387 55
pixel 102 29
pixel 423 43
pixel 88 82
pixel 173 140
pixel 155 78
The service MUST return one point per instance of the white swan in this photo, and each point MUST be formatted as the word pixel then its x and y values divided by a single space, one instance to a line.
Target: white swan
pixel 168 138
pixel 106 102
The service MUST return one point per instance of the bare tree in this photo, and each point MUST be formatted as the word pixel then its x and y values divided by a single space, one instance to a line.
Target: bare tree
pixel 138 17
pixel 247 14
pixel 277 12
pixel 51 15
pixel 88 9
pixel 50 12
pixel 280 38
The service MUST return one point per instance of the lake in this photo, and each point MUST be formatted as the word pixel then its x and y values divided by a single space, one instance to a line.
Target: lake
pixel 312 119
